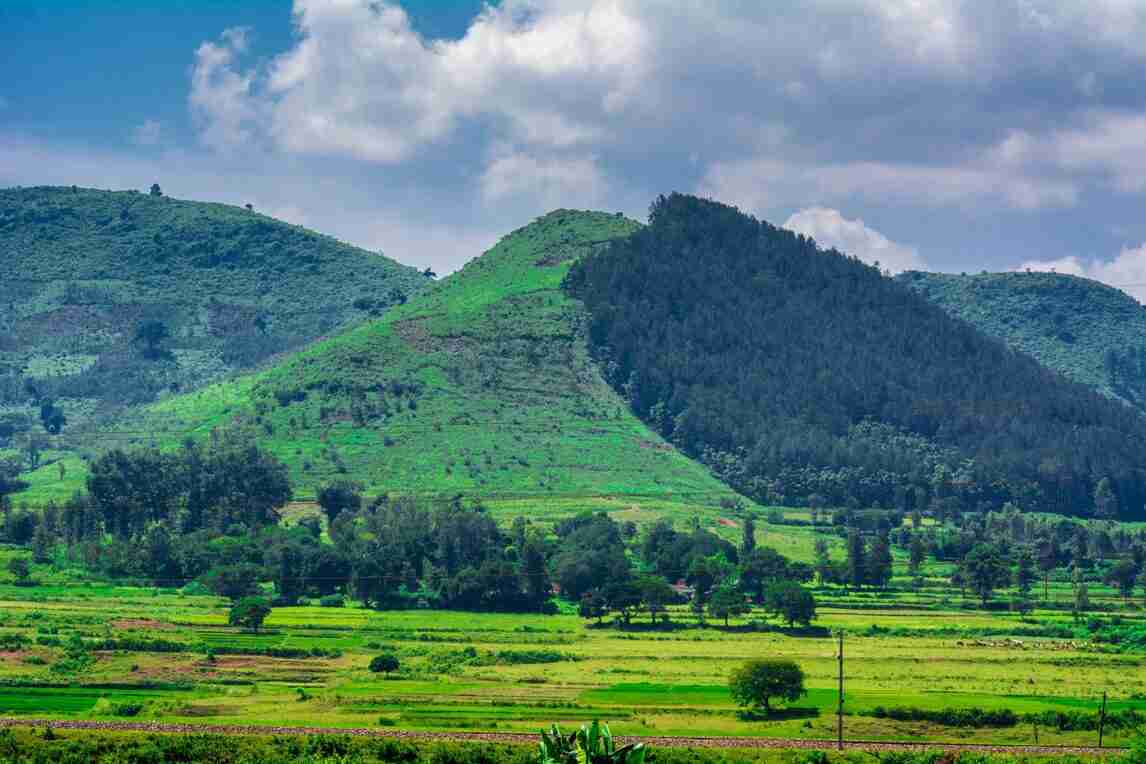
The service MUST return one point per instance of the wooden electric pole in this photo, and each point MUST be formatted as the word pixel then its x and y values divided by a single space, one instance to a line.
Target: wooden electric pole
pixel 1101 718
pixel 840 706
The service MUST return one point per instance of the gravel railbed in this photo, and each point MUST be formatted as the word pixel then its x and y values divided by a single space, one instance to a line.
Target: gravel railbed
pixel 667 741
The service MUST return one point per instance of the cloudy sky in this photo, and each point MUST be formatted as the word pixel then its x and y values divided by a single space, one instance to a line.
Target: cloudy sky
pixel 955 136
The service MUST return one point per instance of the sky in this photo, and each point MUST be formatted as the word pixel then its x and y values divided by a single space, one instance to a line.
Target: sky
pixel 932 134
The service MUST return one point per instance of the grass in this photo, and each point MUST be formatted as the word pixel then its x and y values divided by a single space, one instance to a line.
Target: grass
pixel 84 268
pixel 644 681
pixel 479 384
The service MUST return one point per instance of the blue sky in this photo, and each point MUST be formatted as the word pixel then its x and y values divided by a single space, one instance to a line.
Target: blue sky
pixel 942 134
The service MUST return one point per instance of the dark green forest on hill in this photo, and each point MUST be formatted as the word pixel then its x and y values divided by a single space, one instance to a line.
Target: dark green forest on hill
pixel 110 299
pixel 1090 332
pixel 803 375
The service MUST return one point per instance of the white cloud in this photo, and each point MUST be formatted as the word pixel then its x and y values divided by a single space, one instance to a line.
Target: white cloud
pixel 763 184
pixel 831 229
pixel 222 101
pixel 148 133
pixel 550 182
pixel 1127 270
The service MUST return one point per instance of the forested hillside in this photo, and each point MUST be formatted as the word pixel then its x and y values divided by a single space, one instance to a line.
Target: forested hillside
pixel 1090 332
pixel 480 383
pixel 118 298
pixel 804 375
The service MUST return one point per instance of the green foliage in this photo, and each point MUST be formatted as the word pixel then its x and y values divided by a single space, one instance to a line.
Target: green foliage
pixel 118 298
pixel 758 682
pixel 1084 329
pixel 479 384
pixel 386 662
pixel 792 602
pixel 852 386
pixel 591 744
pixel 249 613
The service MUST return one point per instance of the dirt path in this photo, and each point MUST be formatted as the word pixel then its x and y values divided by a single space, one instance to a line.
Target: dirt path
pixel 522 737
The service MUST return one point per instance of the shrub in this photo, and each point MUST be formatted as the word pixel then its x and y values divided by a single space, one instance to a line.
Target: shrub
pixel 386 662
pixel 332 600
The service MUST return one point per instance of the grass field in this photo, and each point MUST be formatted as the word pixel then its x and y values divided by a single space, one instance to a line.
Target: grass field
pixel 520 672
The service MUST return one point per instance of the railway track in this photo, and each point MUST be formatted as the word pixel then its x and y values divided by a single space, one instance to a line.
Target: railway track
pixel 667 741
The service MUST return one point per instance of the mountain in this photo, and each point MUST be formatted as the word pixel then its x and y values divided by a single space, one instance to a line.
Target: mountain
pixel 479 384
pixel 118 298
pixel 805 375
pixel 1090 332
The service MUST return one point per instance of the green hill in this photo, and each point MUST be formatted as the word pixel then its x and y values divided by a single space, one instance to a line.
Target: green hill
pixel 480 384
pixel 803 374
pixel 1090 332
pixel 82 271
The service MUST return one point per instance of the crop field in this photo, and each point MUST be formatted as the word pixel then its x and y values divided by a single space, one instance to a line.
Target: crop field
pixel 164 655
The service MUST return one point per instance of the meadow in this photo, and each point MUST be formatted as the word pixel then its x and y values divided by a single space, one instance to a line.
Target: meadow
pixel 169 655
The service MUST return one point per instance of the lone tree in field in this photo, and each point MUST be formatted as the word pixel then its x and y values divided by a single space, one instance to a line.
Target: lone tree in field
pixel 984 570
pixel 1123 575
pixel 384 663
pixel 249 613
pixel 757 683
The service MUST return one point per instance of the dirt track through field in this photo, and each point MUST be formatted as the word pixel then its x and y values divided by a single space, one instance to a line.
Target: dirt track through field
pixel 668 741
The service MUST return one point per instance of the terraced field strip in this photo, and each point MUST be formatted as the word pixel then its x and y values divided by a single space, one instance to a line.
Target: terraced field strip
pixel 665 741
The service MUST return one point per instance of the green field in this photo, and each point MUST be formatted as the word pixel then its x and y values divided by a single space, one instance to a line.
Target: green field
pixel 482 671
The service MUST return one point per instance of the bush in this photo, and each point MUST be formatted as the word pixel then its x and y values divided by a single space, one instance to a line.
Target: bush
pixel 386 662
pixel 332 600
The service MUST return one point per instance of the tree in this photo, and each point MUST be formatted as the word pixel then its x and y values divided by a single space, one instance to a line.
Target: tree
pixel 823 560
pixel 1024 577
pixel 857 566
pixel 656 594
pixel 879 562
pixel 1123 575
pixel 249 613
pixel 384 663
pixel 624 597
pixel 1048 560
pixel 755 684
pixel 52 418
pixel 1081 601
pixel 1105 502
pixel 235 582
pixel 985 570
pixel 725 602
pixel 748 536
pixel 156 190
pixel 151 334
pixel 20 570
pixel 792 602
pixel 704 573
pixel 593 605
pixel 336 498
pixel 917 555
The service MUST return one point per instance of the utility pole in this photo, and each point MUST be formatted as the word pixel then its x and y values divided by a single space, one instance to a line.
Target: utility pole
pixel 1101 718
pixel 840 707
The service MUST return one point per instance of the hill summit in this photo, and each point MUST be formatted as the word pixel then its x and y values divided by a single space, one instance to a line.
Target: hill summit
pixel 479 384
pixel 117 298
pixel 805 375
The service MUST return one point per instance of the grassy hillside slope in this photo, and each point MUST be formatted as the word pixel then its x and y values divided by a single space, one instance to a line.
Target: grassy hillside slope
pixel 480 384
pixel 1069 324
pixel 82 270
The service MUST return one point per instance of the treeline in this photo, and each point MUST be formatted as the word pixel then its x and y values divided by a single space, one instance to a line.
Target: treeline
pixel 211 520
pixel 798 374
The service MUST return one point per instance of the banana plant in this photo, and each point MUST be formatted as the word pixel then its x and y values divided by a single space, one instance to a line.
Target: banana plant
pixel 592 744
